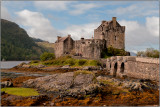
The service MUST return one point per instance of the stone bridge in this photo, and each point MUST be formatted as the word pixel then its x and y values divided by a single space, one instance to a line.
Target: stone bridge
pixel 136 67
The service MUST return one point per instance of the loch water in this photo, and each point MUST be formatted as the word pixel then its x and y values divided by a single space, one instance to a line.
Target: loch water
pixel 10 64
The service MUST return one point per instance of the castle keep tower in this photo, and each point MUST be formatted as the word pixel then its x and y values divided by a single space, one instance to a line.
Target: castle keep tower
pixel 112 32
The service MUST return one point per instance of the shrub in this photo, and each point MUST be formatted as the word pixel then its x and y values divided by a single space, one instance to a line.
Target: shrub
pixel 82 62
pixel 149 52
pixel 94 63
pixel 34 61
pixel 110 51
pixel 47 56
pixel 70 61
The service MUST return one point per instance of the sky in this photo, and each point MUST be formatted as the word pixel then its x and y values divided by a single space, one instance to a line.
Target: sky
pixel 48 19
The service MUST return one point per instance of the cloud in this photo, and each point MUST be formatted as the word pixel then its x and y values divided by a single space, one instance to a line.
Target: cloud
pixel 53 5
pixel 37 25
pixel 82 8
pixel 152 24
pixel 5 14
pixel 137 9
pixel 139 37
pixel 72 7
pixel 78 31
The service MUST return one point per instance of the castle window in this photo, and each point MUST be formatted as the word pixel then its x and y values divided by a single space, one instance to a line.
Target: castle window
pixel 83 42
pixel 115 37
pixel 89 42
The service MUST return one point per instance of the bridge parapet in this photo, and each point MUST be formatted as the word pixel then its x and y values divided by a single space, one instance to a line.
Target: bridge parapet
pixel 148 60
pixel 137 67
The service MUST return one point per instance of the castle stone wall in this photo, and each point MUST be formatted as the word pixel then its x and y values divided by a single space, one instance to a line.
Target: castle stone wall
pixel 112 32
pixel 68 45
pixel 147 60
pixel 59 50
pixel 143 68
pixel 89 48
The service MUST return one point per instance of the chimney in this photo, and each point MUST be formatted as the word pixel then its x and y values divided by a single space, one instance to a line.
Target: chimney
pixel 123 28
pixel 82 38
pixel 58 37
pixel 114 21
pixel 103 21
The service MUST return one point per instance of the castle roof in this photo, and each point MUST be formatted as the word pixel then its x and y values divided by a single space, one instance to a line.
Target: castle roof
pixel 62 39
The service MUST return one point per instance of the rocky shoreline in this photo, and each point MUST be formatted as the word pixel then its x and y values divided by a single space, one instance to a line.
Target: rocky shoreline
pixel 88 86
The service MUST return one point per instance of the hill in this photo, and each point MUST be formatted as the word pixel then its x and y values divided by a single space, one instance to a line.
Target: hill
pixel 37 40
pixel 133 54
pixel 16 44
pixel 47 46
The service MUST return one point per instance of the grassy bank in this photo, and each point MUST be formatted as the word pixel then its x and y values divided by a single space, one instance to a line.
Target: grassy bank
pixel 67 60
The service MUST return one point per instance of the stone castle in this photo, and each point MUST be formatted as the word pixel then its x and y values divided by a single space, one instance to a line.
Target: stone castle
pixel 109 33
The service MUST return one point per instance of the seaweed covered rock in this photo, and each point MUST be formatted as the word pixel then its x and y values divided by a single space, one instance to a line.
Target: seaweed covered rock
pixel 66 84
pixel 6 84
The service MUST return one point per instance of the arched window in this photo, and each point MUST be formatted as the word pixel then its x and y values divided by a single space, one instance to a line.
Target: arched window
pixel 115 38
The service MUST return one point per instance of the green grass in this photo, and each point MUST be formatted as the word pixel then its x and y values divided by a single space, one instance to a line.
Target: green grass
pixel 67 60
pixel 35 62
pixel 48 46
pixel 107 82
pixel 21 91
pixel 83 72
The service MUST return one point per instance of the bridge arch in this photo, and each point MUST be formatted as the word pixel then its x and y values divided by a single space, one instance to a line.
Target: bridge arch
pixel 122 67
pixel 115 69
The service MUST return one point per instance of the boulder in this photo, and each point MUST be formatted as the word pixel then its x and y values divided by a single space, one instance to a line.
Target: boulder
pixel 83 79
pixel 65 84
pixel 86 68
pixel 66 66
pixel 26 66
pixel 2 92
pixel 103 78
pixel 91 68
pixel 41 66
pixel 92 88
pixel 6 84
pixel 21 64
pixel 136 86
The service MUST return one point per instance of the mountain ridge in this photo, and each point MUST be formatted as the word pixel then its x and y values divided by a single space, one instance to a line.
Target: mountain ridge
pixel 16 43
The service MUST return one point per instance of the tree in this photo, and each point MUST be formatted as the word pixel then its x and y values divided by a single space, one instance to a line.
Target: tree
pixel 149 52
pixel 47 56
